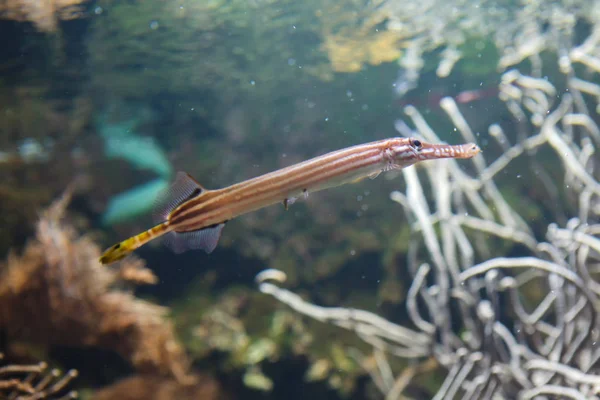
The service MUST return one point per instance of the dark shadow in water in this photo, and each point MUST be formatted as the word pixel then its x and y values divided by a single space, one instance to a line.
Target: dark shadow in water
pixel 176 271
pixel 96 367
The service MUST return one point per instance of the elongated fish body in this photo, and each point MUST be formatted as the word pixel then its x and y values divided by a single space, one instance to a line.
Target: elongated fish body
pixel 193 217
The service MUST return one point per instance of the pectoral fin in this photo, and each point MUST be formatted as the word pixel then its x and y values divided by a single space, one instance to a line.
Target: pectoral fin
pixel 370 176
pixel 375 174
pixel 205 239
pixel 288 202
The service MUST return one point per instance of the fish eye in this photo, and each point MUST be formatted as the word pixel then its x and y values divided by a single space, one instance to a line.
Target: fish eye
pixel 417 144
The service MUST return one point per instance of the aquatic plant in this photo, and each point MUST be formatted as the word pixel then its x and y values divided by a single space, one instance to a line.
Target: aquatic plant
pixel 44 15
pixel 36 127
pixel 250 335
pixel 352 36
pixel 133 203
pixel 121 141
pixel 56 293
pixel 506 306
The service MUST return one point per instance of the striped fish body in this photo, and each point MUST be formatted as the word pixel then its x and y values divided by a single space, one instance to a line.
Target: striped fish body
pixel 191 217
pixel 281 186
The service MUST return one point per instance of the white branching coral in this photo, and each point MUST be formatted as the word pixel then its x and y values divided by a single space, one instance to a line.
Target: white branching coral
pixel 503 324
pixel 519 31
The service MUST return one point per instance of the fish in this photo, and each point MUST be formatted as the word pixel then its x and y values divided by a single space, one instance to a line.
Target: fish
pixel 188 216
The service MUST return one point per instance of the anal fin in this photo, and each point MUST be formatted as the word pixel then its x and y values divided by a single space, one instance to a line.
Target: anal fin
pixel 205 239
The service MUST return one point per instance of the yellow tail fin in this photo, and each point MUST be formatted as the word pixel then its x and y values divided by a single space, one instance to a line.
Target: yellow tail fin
pixel 124 248
pixel 183 188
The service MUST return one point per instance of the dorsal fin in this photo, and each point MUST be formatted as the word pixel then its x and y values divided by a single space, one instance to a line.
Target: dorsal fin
pixel 183 188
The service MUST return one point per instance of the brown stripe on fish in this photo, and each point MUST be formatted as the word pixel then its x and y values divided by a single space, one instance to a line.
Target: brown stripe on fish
pixel 205 210
pixel 248 194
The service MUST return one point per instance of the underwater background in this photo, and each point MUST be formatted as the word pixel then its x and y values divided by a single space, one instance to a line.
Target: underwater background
pixel 474 279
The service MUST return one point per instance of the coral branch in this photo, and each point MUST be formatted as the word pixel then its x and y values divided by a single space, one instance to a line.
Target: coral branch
pixel 35 382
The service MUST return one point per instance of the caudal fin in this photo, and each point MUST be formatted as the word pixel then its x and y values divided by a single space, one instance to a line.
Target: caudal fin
pixel 183 189
pixel 124 248
pixel 115 253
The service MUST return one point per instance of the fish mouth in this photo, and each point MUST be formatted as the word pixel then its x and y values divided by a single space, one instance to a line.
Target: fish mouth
pixel 468 150
pixel 459 151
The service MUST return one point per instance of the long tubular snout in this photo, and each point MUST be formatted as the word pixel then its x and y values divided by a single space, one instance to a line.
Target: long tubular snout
pixel 436 151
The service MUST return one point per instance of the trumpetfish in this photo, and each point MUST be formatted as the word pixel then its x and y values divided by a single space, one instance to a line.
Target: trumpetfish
pixel 189 216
